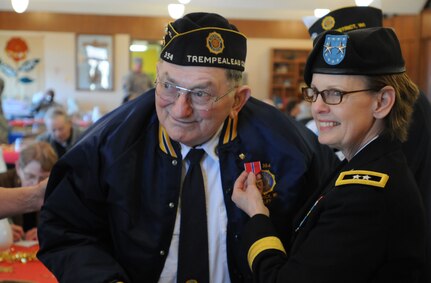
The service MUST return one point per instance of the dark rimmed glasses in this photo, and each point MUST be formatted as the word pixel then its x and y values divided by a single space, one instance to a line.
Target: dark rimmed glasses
pixel 329 96
pixel 199 99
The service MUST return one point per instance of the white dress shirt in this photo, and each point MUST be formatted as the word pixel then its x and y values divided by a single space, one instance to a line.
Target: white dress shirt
pixel 216 218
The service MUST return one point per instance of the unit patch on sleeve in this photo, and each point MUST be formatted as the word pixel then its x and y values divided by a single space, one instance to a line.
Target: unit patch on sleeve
pixel 362 177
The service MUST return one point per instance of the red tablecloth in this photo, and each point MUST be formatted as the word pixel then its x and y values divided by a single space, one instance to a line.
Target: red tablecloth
pixel 24 122
pixel 33 271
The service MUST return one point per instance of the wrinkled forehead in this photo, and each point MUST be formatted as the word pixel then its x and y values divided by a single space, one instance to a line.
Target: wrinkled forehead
pixel 191 75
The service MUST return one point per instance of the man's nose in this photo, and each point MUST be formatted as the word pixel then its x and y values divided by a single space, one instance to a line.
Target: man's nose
pixel 183 106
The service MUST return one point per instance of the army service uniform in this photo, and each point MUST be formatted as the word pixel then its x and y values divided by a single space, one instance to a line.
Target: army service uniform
pixel 368 222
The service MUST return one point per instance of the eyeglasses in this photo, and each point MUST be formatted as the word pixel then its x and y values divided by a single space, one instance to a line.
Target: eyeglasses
pixel 200 99
pixel 329 96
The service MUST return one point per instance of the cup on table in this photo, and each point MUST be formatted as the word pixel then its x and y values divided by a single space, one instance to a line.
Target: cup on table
pixel 6 237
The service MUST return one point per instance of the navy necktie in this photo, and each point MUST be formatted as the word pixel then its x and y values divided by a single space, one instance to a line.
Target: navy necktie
pixel 193 263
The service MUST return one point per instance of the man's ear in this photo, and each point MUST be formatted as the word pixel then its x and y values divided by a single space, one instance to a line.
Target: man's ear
pixel 242 94
pixel 384 102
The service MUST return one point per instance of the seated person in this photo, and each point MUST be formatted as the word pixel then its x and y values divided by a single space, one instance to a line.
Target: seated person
pixel 34 165
pixel 60 132
pixel 4 127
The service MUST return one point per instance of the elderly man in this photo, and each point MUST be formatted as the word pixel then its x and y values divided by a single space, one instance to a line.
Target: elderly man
pixel 146 194
pixel 60 132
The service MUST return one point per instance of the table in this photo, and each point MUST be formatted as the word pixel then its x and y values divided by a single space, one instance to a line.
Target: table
pixel 33 271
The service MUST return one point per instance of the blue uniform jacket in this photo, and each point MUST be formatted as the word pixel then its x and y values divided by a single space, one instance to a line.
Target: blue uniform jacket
pixel 111 201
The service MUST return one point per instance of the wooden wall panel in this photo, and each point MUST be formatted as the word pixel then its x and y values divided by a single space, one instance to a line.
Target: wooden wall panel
pixel 426 68
pixel 408 30
pixel 426 24
pixel 425 53
pixel 151 28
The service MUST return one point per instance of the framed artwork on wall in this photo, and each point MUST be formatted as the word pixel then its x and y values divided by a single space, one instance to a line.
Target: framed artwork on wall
pixel 94 62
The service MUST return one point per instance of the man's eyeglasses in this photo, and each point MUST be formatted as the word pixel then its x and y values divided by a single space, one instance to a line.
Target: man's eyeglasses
pixel 200 99
pixel 329 96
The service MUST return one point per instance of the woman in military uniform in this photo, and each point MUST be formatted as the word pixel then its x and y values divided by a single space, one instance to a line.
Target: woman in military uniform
pixel 367 224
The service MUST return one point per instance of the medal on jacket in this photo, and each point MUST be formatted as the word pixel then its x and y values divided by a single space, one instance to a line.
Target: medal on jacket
pixel 256 168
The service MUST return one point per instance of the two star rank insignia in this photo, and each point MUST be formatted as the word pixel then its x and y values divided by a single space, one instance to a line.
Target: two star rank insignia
pixel 362 177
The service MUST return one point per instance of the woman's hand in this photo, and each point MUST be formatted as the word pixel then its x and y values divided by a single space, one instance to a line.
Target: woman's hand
pixel 247 196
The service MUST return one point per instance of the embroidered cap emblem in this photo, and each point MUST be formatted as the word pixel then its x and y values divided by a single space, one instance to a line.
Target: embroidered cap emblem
pixel 334 48
pixel 215 43
pixel 328 23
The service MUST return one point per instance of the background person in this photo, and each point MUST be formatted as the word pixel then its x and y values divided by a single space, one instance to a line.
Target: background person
pixel 60 133
pixel 33 166
pixel 368 223
pixel 4 127
pixel 113 208
pixel 136 82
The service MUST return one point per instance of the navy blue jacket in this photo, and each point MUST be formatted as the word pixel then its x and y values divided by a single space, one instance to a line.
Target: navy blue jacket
pixel 111 201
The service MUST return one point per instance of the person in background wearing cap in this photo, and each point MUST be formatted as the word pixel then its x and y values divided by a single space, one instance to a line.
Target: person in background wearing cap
pixel 417 147
pixel 113 209
pixel 136 82
pixel 368 223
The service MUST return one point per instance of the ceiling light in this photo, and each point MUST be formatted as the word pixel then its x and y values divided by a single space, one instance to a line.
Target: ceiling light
pixel 19 6
pixel 176 11
pixel 363 2
pixel 184 1
pixel 321 12
pixel 139 46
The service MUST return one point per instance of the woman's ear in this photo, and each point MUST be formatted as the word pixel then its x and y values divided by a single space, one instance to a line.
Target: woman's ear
pixel 242 94
pixel 384 102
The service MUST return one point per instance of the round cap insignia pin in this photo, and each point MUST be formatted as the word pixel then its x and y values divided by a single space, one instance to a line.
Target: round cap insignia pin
pixel 215 43
pixel 328 23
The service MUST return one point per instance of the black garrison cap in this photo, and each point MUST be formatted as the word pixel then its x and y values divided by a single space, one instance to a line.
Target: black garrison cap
pixel 346 19
pixel 204 39
pixel 368 51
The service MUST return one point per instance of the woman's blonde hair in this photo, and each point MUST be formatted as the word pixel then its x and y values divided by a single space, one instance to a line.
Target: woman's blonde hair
pixel 406 93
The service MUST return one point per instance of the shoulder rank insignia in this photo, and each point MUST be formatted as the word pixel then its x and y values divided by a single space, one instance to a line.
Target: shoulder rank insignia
pixel 362 177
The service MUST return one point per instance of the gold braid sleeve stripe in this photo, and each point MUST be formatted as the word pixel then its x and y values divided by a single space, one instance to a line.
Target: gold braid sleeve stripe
pixel 261 245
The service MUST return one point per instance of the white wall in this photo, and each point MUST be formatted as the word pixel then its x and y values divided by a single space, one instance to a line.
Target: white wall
pixel 60 73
